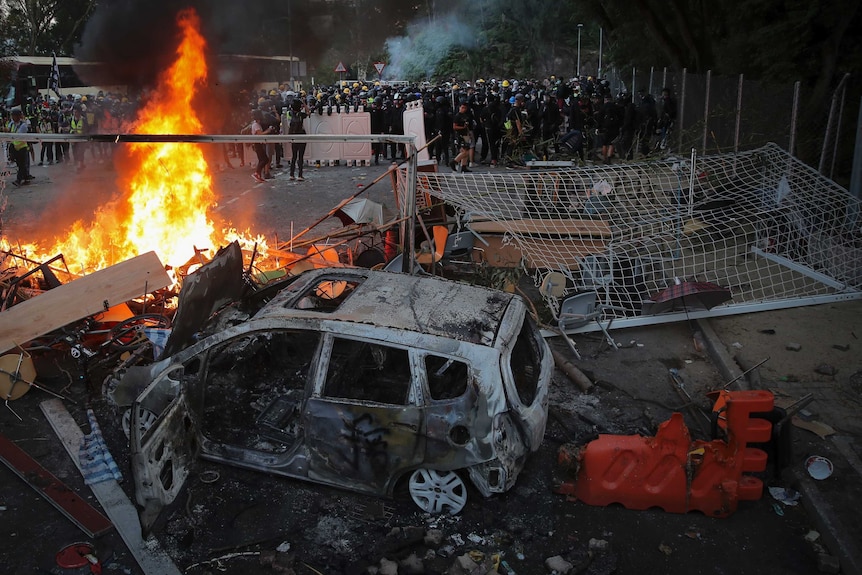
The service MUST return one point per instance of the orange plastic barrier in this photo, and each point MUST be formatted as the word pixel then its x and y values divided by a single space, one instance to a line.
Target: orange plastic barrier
pixel 672 472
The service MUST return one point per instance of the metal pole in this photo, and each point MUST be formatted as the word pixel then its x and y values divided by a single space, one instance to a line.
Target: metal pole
pixel 680 113
pixel 738 115
pixel 634 78
pixel 829 123
pixel 794 114
pixel 706 112
pixel 856 174
pixel 838 132
pixel 691 183
pixel 410 249
pixel 601 32
pixel 651 72
pixel 579 49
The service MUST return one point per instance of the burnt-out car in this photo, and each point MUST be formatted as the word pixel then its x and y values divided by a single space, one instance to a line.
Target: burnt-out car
pixel 353 378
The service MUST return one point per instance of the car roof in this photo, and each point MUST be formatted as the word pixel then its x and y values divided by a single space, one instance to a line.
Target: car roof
pixel 421 304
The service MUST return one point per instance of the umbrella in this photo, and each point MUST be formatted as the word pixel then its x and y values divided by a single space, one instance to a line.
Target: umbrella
pixel 361 211
pixel 689 296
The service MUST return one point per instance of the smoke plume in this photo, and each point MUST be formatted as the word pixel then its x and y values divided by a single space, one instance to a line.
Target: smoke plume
pixel 425 45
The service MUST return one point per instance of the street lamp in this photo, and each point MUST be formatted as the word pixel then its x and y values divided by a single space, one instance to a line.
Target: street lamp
pixel 579 49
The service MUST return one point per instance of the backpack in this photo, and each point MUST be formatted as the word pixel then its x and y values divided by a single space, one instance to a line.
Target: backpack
pixel 295 124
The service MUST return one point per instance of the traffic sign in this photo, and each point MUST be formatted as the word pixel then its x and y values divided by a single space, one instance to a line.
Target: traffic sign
pixel 379 67
pixel 340 68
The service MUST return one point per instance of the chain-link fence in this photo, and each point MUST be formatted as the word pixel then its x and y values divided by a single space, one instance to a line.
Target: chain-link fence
pixel 717 114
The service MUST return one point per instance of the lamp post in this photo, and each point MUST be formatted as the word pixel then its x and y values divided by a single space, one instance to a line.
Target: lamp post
pixel 601 32
pixel 579 49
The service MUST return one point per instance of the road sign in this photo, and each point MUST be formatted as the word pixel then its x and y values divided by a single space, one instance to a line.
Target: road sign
pixel 340 68
pixel 379 67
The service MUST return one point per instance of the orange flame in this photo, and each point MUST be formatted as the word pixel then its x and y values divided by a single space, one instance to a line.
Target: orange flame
pixel 170 191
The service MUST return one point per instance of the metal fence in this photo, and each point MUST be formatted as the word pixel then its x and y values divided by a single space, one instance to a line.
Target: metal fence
pixel 718 114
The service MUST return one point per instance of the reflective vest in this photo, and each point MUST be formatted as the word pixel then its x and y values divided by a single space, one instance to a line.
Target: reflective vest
pixel 76 126
pixel 18 144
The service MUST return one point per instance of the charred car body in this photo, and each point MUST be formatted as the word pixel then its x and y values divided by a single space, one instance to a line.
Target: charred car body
pixel 352 378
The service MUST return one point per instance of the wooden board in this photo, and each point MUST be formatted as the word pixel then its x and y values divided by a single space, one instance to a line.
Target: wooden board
pixel 149 554
pixel 565 227
pixel 85 296
pixel 550 254
pixel 53 490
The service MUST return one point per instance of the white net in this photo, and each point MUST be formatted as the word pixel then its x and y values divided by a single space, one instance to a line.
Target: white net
pixel 760 223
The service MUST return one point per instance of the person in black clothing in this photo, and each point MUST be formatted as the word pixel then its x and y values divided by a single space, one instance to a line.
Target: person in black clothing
pixel 667 115
pixel 647 119
pixel 298 113
pixel 629 125
pixel 443 128
pixel 396 110
pixel 492 122
pixel 609 121
pixel 378 126
pixel 462 126
pixel 549 113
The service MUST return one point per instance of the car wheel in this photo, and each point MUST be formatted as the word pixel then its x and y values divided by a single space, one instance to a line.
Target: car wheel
pixel 146 420
pixel 437 491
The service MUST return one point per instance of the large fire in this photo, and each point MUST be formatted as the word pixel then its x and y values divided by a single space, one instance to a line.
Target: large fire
pixel 169 190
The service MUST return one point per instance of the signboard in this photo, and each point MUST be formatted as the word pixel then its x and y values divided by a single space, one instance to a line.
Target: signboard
pixel 379 67
pixel 340 68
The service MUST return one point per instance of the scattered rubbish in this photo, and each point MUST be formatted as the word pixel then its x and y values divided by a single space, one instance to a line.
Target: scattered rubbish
pixel 457 539
pixel 477 539
pixel 841 347
pixel 736 345
pixel 818 467
pixel 786 496
pixel 812 536
pixel 283 547
pixel 793 346
pixel 693 535
pixel 817 427
pixel 78 555
pixel 666 549
pixel 97 464
pixel 826 369
pixel 209 476
pixel 778 510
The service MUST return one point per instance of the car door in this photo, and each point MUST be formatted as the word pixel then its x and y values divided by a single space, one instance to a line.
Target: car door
pixel 363 424
pixel 162 452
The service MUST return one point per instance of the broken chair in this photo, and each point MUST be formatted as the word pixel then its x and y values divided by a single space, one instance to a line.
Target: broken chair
pixel 436 250
pixel 576 310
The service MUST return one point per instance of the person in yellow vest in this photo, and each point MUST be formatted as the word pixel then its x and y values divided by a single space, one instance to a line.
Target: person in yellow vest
pixel 78 125
pixel 20 148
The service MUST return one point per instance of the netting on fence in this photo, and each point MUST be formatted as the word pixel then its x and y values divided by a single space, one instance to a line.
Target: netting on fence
pixel 760 223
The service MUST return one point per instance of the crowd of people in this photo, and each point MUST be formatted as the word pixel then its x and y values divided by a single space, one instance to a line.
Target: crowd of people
pixel 494 122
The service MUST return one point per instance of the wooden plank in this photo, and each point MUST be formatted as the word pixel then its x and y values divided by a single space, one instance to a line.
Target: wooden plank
pixel 152 559
pixel 81 513
pixel 550 254
pixel 563 227
pixel 84 296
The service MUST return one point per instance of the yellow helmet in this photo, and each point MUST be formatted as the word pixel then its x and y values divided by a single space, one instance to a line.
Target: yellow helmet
pixel 272 92
pixel 83 98
pixel 347 90
pixel 480 81
pixel 377 83
pixel 365 88
pixel 319 95
pixel 356 84
pixel 456 87
pixel 505 83
pixel 303 93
